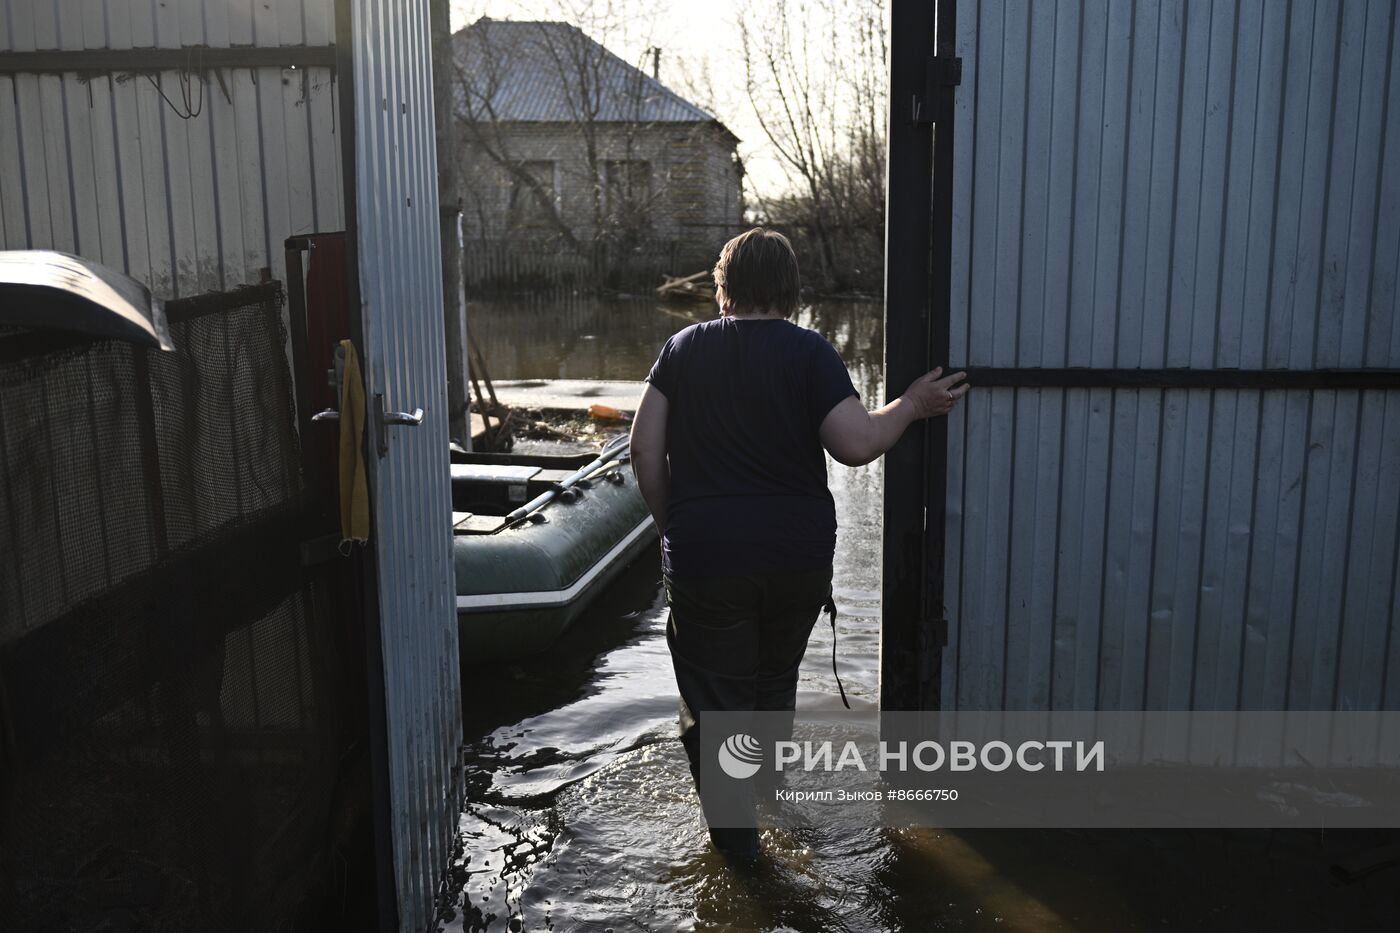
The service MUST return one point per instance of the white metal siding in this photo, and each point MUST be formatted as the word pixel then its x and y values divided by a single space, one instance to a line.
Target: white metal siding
pixel 401 294
pixel 1174 184
pixel 104 166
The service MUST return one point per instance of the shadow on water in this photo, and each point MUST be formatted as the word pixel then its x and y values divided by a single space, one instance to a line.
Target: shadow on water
pixel 580 813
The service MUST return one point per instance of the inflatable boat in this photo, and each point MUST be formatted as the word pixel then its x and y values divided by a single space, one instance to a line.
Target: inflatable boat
pixel 535 540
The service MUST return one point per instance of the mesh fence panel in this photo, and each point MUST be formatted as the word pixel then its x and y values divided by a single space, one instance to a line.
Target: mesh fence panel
pixel 169 741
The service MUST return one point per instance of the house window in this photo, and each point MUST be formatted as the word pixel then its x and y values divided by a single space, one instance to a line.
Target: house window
pixel 627 183
pixel 531 195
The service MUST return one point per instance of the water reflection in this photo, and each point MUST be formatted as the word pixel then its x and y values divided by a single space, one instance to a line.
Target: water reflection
pixel 594 338
pixel 581 338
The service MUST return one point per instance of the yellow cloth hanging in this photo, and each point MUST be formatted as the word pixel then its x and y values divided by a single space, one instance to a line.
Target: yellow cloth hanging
pixel 354 487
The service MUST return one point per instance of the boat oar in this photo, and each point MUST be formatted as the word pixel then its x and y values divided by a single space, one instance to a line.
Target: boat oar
pixel 616 449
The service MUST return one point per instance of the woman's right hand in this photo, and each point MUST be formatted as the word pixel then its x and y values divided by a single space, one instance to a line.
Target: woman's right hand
pixel 934 394
pixel 854 436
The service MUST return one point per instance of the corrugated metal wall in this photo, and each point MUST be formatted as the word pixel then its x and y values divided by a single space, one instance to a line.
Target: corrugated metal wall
pixel 1175 184
pixel 114 166
pixel 396 207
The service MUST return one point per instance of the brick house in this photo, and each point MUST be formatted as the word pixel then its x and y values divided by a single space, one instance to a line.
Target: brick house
pixel 566 148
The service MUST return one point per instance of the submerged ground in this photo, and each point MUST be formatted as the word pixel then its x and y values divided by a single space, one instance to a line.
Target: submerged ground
pixel 580 810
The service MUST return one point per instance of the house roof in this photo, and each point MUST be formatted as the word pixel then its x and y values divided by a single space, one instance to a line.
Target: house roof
pixel 553 72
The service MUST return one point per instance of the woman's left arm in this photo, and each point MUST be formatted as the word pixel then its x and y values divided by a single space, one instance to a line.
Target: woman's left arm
pixel 649 453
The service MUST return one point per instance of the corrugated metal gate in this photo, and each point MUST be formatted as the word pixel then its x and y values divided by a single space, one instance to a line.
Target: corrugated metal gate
pixel 394 225
pixel 1174 232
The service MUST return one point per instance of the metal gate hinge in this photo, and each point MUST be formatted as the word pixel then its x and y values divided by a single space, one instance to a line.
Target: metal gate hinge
pixel 942 74
pixel 944 71
pixel 933 637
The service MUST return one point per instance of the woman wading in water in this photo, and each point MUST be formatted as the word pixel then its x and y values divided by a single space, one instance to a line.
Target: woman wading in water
pixel 727 446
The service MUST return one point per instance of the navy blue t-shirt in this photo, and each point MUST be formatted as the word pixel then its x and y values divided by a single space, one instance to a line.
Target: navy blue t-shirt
pixel 748 492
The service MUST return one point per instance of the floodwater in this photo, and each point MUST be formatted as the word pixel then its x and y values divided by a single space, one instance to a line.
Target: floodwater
pixel 581 815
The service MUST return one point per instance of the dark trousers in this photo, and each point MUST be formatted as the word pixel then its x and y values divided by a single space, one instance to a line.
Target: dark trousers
pixel 736 645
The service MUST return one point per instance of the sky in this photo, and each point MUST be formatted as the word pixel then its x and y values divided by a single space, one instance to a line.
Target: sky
pixel 700 56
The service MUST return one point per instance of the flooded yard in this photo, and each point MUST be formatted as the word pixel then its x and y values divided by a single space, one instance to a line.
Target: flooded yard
pixel 581 813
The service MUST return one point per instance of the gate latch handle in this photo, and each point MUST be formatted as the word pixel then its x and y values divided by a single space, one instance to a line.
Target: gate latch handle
pixel 412 419
pixel 382 420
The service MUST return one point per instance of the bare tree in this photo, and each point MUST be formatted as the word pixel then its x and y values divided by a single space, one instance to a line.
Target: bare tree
pixel 815 76
pixel 479 85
